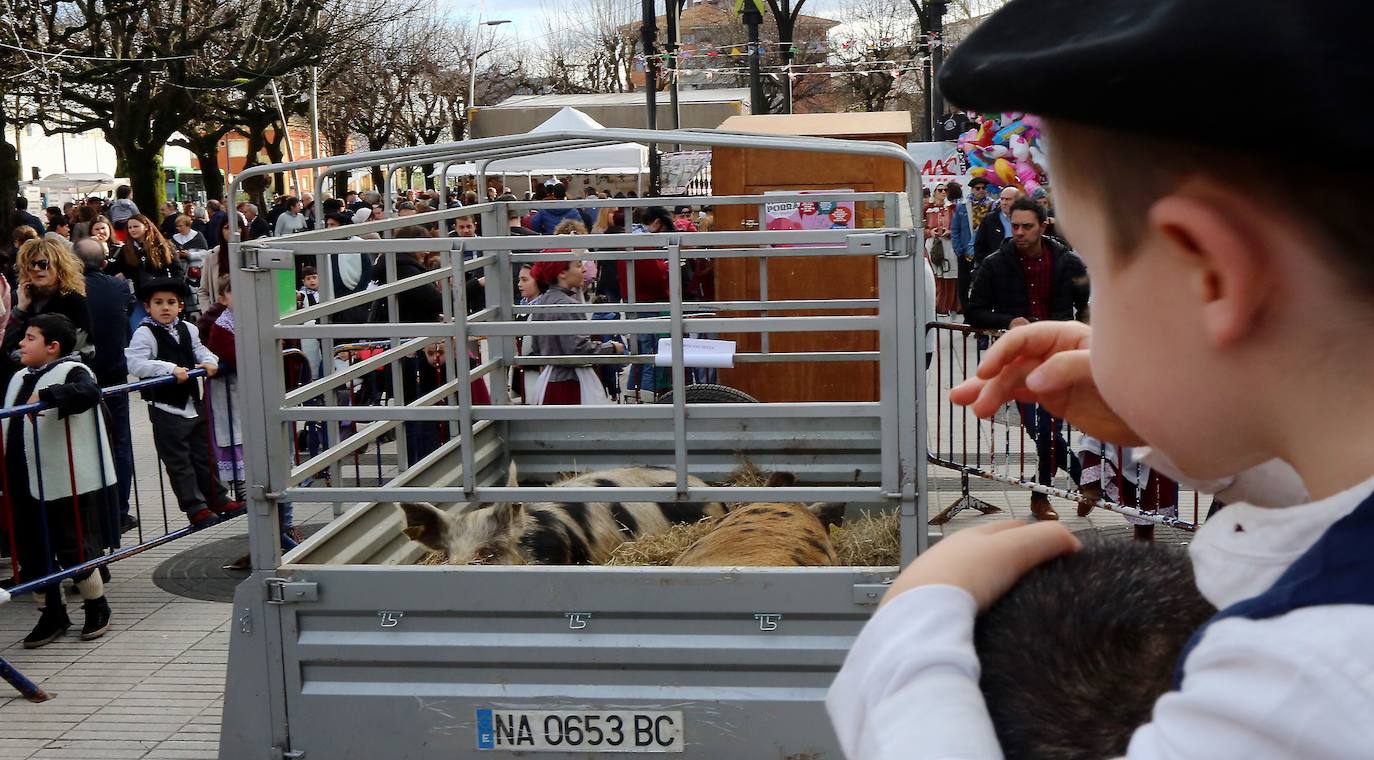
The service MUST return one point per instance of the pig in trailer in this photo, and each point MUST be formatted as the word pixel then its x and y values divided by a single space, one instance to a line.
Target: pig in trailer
pixel 346 648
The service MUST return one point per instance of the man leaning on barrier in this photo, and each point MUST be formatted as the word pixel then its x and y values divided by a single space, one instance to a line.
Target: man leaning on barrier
pixel 1032 278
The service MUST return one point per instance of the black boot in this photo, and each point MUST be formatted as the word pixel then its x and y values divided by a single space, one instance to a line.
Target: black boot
pixel 97 618
pixel 53 622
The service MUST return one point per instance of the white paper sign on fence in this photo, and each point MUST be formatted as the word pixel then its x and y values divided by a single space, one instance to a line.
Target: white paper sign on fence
pixel 697 352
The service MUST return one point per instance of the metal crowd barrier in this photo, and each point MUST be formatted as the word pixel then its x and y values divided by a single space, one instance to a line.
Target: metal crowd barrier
pixel 1003 449
pixel 141 505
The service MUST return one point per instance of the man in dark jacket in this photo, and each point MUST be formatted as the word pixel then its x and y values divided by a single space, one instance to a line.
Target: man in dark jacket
pixel 23 217
pixel 109 301
pixel 546 220
pixel 216 221
pixel 996 226
pixel 1032 278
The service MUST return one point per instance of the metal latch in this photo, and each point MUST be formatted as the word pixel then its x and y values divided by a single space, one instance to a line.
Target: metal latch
pixel 285 591
pixel 256 259
pixel 868 594
pixel 887 245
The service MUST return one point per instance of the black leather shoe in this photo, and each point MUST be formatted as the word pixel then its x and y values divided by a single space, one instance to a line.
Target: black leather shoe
pixel 97 618
pixel 53 622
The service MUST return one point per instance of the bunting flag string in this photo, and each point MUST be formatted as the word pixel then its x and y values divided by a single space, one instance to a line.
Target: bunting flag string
pixel 736 50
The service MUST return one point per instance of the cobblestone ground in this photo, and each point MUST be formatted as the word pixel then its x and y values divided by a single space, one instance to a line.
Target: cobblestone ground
pixel 153 686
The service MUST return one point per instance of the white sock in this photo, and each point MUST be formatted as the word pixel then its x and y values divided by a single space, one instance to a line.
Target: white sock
pixel 91 588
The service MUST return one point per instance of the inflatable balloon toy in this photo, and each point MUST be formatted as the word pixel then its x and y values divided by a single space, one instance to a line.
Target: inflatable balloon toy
pixel 1005 171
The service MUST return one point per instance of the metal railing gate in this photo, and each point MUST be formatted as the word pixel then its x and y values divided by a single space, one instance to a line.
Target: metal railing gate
pixel 344 633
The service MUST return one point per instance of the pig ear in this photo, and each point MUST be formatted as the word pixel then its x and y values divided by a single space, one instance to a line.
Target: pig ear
pixel 781 480
pixel 507 515
pixel 426 524
pixel 831 514
pixel 512 476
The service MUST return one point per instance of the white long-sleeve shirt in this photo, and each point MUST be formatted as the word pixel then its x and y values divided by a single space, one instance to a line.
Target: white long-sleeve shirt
pixel 141 356
pixel 1299 685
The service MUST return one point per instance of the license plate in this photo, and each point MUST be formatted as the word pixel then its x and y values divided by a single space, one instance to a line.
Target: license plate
pixel 580 730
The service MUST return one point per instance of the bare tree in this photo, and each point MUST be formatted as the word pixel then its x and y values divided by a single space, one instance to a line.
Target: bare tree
pixel 882 41
pixel 141 70
pixel 596 54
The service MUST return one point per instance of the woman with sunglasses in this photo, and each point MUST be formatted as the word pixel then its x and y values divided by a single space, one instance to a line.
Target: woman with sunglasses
pixel 51 281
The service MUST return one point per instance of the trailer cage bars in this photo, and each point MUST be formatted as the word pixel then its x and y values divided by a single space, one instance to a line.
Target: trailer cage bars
pixel 304 653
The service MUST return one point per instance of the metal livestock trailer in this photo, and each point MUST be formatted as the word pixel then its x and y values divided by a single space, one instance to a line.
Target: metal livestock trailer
pixel 345 648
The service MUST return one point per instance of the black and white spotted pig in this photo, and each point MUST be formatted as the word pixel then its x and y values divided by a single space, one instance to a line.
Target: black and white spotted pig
pixel 554 533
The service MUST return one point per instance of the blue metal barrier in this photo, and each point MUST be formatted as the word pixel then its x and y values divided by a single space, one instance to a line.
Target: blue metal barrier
pixel 85 564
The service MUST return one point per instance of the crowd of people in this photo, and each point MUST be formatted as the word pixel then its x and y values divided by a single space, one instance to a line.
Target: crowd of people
pixel 99 292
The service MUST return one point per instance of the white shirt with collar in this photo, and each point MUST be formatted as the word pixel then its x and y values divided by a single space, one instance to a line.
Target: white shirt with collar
pixel 1299 685
pixel 141 356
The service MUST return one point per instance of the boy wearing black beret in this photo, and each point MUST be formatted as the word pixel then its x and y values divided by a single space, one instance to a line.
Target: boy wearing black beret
pixel 164 344
pixel 1231 334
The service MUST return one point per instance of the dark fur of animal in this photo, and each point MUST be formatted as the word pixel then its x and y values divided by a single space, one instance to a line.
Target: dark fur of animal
pixel 1075 655
pixel 769 535
pixel 554 533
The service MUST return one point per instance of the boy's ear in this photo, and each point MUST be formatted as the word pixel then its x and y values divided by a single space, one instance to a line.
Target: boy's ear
pixel 1231 274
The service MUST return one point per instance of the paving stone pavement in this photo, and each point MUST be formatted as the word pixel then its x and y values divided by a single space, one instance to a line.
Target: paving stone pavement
pixel 153 687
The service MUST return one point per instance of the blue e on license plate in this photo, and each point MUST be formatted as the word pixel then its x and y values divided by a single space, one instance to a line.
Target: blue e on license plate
pixel 580 730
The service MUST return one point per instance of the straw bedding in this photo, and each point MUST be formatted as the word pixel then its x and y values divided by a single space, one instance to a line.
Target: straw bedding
pixel 869 541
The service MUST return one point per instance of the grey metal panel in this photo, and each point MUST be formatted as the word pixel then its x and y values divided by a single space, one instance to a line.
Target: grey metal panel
pixel 669 638
pixel 472 637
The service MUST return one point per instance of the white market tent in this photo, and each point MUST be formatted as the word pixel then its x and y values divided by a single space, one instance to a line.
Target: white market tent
pixel 76 183
pixel 618 158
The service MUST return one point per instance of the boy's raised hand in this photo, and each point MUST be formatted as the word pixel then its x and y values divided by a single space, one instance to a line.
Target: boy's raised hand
pixel 1045 363
pixel 987 560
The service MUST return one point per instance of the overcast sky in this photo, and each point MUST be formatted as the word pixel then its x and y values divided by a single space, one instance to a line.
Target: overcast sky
pixel 527 16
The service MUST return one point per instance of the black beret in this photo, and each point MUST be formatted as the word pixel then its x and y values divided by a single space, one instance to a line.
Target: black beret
pixel 164 285
pixel 1230 73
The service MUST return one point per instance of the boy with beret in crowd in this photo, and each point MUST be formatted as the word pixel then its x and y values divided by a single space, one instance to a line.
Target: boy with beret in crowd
pixel 1231 334
pixel 165 344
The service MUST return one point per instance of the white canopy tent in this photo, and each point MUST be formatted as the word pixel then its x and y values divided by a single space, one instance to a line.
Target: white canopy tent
pixel 618 158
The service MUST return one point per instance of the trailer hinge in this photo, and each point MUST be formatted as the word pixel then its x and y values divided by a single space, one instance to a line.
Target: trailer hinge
pixel 258 259
pixel 286 591
pixel 868 594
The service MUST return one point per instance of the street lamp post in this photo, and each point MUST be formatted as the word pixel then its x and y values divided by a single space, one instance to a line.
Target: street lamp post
pixel 472 75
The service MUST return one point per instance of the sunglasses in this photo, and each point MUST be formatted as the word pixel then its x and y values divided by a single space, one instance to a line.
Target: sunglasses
pixel 40 265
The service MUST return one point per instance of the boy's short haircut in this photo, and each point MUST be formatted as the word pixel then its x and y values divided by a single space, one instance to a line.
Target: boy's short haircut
pixel 1075 655
pixel 1025 204
pixel 55 328
pixel 1095 159
pixel 224 284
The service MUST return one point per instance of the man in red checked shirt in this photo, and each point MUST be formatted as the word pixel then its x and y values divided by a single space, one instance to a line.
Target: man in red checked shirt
pixel 1032 278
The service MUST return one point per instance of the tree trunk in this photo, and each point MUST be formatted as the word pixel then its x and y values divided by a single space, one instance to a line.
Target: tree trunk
pixel 143 166
pixel 429 170
pixel 206 150
pixel 274 155
pixel 256 187
pixel 9 174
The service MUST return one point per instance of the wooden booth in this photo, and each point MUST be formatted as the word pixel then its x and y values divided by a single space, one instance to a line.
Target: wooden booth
pixel 748 171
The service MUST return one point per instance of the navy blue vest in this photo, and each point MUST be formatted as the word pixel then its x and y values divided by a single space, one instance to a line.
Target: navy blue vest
pixel 1338 569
